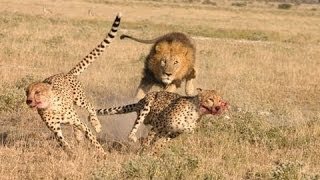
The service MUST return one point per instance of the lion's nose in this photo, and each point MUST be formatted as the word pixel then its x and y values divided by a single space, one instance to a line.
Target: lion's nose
pixel 168 74
pixel 217 108
pixel 29 101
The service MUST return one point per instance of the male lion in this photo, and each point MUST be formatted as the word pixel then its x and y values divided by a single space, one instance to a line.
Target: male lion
pixel 170 61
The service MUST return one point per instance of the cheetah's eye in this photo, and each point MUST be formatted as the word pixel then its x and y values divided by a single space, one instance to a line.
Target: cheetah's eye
pixel 211 99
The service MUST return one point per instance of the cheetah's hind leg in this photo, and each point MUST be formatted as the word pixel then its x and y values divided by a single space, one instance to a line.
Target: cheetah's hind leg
pixel 142 114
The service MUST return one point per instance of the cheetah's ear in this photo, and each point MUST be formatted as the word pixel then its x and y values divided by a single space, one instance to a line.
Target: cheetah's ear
pixel 199 90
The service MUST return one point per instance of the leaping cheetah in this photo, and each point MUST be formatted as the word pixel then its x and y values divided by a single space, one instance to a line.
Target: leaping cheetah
pixel 55 96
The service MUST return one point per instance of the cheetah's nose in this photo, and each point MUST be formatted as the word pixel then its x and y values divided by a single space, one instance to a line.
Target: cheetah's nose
pixel 29 101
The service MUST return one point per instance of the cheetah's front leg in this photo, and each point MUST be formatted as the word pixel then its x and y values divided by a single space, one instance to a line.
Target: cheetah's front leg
pixel 55 127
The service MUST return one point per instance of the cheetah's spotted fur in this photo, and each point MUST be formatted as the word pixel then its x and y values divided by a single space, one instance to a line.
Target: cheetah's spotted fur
pixel 55 96
pixel 169 114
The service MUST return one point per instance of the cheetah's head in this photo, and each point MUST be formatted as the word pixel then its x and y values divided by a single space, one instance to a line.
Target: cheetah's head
pixel 211 102
pixel 38 95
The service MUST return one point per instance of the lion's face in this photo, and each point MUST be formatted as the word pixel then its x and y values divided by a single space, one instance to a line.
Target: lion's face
pixel 171 61
pixel 38 95
pixel 211 102
pixel 169 68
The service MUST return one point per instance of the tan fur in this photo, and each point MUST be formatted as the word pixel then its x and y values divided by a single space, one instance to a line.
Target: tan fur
pixel 171 60
pixel 55 96
pixel 170 114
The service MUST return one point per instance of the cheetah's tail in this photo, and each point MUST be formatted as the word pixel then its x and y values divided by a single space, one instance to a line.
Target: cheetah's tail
pixel 118 110
pixel 96 52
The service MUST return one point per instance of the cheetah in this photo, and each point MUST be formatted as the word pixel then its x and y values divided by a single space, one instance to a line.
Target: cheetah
pixel 171 60
pixel 169 114
pixel 54 97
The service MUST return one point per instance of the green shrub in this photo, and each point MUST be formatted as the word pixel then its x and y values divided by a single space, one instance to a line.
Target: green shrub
pixel 12 97
pixel 286 170
pixel 247 128
pixel 170 165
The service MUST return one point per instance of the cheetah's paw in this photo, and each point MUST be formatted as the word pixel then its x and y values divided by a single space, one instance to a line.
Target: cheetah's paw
pixel 133 138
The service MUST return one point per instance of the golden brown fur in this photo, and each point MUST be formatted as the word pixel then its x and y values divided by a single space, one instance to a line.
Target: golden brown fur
pixel 170 61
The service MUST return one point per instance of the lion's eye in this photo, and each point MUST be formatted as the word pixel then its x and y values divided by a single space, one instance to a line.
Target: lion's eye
pixel 37 92
pixel 176 62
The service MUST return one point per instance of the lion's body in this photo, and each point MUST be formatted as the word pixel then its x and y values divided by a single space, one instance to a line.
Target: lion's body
pixel 169 114
pixel 171 60
pixel 55 97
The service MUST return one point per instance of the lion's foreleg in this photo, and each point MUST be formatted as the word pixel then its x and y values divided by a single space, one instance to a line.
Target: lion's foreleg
pixel 143 89
pixel 171 88
pixel 189 87
pixel 189 83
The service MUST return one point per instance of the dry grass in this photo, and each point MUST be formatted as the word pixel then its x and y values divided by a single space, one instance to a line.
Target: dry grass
pixel 263 59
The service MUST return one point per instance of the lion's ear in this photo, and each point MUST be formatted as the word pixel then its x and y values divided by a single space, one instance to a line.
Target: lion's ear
pixel 186 52
pixel 158 48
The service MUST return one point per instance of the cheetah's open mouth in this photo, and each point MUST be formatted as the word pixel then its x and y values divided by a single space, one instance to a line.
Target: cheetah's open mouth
pixel 215 110
pixel 36 105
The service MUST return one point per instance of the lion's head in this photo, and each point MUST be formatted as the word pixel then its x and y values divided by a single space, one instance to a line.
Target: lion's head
pixel 211 102
pixel 171 61
pixel 38 95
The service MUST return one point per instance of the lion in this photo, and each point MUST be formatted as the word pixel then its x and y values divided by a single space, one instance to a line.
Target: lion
pixel 171 60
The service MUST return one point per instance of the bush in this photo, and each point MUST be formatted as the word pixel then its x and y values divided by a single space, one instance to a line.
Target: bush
pixel 286 170
pixel 171 165
pixel 239 4
pixel 209 2
pixel 12 97
pixel 284 6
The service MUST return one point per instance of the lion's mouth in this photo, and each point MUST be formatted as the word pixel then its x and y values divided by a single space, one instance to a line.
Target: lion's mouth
pixel 166 79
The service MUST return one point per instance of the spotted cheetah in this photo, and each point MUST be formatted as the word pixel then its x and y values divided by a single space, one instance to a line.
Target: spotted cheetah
pixel 170 114
pixel 55 96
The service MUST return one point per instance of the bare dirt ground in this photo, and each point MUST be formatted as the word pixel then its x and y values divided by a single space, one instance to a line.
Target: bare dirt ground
pixel 264 60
